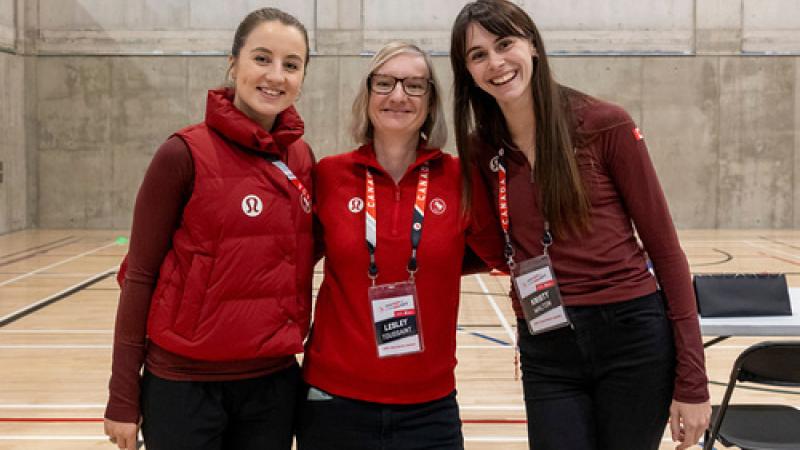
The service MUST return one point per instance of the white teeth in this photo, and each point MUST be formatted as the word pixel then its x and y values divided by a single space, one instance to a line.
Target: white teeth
pixel 270 91
pixel 503 79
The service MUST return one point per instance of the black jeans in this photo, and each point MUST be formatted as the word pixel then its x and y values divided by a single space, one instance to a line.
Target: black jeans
pixel 251 414
pixel 337 423
pixel 604 385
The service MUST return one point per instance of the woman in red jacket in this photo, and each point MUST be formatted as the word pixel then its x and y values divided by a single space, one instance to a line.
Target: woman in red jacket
pixel 381 356
pixel 572 177
pixel 215 300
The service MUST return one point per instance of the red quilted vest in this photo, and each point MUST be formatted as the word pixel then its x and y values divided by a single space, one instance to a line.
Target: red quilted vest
pixel 236 283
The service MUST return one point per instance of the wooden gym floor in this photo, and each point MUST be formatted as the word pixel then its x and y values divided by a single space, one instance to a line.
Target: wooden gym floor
pixel 58 298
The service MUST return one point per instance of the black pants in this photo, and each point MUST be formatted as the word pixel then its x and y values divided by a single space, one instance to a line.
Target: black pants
pixel 337 423
pixel 604 385
pixel 251 414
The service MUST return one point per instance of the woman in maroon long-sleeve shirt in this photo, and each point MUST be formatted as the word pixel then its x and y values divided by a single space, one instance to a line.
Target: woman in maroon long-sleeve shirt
pixel 216 298
pixel 607 356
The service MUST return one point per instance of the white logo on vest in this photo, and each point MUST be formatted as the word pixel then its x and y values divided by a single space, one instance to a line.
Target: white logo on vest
pixel 252 206
pixel 438 206
pixel 355 205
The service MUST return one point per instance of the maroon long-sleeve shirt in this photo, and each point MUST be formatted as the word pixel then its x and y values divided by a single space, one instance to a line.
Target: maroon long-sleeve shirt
pixel 607 264
pixel 162 196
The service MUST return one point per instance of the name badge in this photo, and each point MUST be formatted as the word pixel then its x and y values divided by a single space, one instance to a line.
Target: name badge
pixel 538 293
pixel 396 319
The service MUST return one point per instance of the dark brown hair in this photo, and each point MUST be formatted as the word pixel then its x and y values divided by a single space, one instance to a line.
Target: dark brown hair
pixel 260 16
pixel 565 203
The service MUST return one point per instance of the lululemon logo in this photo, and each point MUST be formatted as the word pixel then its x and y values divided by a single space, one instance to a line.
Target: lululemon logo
pixel 494 164
pixel 438 206
pixel 355 205
pixel 251 205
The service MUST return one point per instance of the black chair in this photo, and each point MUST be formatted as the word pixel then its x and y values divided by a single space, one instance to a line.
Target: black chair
pixel 760 427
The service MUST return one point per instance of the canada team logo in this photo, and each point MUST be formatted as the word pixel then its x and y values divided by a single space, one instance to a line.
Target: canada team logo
pixel 252 205
pixel 438 206
pixel 355 205
pixel 494 164
pixel 305 203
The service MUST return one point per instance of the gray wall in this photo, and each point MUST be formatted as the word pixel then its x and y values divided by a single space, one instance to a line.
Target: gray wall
pixel 713 84
pixel 14 210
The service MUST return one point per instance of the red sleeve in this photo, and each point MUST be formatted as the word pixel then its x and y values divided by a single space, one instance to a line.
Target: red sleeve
pixel 165 190
pixel 484 234
pixel 319 241
pixel 635 177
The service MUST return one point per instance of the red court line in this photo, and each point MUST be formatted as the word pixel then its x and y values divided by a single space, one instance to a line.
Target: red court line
pixel 49 419
pixel 93 420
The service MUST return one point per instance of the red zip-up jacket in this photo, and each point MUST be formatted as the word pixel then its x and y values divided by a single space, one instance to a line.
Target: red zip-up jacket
pixel 341 355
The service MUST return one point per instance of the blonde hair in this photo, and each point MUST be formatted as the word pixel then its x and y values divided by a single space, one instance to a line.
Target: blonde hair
pixel 434 128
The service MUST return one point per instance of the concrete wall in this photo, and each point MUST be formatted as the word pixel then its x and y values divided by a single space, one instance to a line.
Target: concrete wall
pixel 13 176
pixel 714 85
pixel 7 25
pixel 14 208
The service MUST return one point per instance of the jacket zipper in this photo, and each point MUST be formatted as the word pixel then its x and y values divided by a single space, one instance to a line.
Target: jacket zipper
pixel 396 215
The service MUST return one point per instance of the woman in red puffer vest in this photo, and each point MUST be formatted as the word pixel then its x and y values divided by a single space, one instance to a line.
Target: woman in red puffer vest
pixel 216 288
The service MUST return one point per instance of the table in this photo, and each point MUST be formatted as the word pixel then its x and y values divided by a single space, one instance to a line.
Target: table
pixel 725 327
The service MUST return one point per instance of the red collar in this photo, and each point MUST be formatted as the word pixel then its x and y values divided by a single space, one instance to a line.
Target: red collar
pixel 229 121
pixel 365 155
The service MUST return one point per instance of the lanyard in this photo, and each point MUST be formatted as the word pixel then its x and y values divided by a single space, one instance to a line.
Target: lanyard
pixel 305 197
pixel 416 225
pixel 505 222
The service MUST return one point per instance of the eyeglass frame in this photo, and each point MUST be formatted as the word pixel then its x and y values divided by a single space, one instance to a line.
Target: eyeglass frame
pixel 429 84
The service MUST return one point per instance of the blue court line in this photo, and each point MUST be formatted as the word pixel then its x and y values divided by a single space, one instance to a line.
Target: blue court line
pixel 483 336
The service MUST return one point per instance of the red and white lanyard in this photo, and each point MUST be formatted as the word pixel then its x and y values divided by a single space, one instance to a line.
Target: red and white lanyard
pixel 305 197
pixel 416 225
pixel 505 221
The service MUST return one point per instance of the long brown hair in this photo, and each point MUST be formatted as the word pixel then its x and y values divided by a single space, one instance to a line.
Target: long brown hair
pixel 565 203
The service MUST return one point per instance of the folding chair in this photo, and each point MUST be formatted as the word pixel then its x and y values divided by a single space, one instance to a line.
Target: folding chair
pixel 760 427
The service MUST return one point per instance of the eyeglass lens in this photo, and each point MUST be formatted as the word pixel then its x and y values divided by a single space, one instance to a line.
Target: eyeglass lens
pixel 385 84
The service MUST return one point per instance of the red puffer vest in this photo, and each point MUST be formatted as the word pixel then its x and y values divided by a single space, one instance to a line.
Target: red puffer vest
pixel 236 283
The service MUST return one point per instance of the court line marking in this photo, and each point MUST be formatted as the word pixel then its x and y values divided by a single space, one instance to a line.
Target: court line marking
pixel 492 407
pixel 35 331
pixel 108 346
pixel 466 329
pixel 52 406
pixel 512 337
pixel 41 269
pixel 22 312
pixel 768 249
pixel 468 438
pixel 52 437
pixel 501 438
pixel 31 252
pixel 497 341
pixel 50 419
pixel 499 346
pixel 54 346
pixel 55 274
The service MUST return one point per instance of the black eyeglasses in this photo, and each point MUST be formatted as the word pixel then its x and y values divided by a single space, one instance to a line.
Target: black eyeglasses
pixel 385 84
